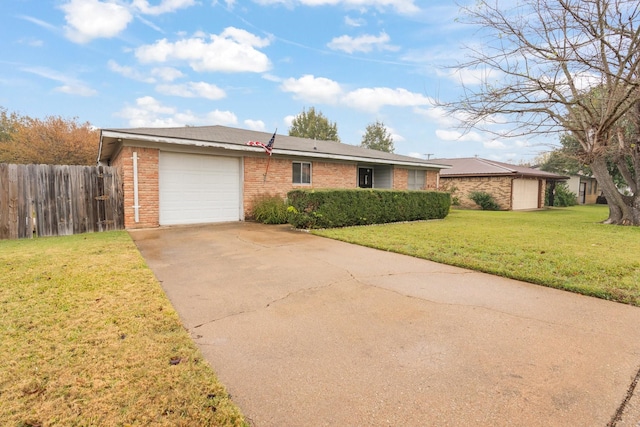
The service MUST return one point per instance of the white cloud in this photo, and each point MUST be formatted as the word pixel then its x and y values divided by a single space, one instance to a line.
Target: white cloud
pixel 39 23
pixel 234 50
pixel 437 114
pixel 90 19
pixel 193 90
pixel 288 120
pixel 76 89
pixel 69 86
pixel 164 6
pixel 354 22
pixel 149 112
pixel 30 41
pixel 168 74
pixel 401 6
pixel 313 89
pixel 454 135
pixel 322 90
pixel 255 124
pixel 494 144
pixel 372 99
pixel 224 118
pixel 129 72
pixel 365 43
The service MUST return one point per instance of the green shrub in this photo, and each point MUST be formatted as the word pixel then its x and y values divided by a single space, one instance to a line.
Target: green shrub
pixel 484 200
pixel 562 197
pixel 341 208
pixel 270 209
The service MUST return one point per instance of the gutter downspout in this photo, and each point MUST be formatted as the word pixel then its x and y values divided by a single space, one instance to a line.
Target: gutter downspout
pixel 136 207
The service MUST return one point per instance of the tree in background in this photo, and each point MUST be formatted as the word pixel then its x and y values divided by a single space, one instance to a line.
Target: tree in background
pixel 313 125
pixel 377 137
pixel 52 140
pixel 568 66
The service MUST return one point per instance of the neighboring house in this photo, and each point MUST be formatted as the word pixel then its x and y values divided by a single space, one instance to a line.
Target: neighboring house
pixel 513 187
pixel 585 188
pixel 192 175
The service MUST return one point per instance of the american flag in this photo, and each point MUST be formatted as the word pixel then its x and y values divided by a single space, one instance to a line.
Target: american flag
pixel 268 147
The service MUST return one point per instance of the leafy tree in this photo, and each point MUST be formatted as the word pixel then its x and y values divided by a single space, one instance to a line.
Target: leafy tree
pixel 313 125
pixel 378 138
pixel 565 66
pixel 53 140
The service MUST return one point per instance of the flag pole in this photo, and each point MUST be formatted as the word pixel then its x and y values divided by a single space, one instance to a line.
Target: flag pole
pixel 266 170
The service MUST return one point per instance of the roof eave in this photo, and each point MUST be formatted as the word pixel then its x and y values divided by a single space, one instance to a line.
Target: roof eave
pixel 251 149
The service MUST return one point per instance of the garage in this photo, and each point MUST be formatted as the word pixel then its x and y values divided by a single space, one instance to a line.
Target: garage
pixel 525 194
pixel 197 188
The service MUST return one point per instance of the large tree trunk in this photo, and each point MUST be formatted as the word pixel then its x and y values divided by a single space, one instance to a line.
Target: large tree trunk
pixel 623 210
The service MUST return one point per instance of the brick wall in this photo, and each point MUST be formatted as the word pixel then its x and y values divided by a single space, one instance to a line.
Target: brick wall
pixel 499 187
pixel 400 179
pixel 431 181
pixel 324 174
pixel 148 188
pixel 278 179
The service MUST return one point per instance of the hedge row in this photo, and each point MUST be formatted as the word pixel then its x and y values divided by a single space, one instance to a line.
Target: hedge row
pixel 341 208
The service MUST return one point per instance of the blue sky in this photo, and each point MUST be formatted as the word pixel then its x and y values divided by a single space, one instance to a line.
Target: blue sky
pixel 248 64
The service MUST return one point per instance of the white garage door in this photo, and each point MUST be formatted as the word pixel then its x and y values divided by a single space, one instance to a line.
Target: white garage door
pixel 198 188
pixel 525 194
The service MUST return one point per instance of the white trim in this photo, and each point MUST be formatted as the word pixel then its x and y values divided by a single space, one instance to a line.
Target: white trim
pixel 136 204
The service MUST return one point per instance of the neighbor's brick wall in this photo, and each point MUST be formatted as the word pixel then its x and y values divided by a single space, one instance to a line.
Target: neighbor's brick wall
pixel 278 180
pixel 148 186
pixel 498 187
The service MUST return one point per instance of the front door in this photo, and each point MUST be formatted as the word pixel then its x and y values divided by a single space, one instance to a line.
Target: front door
pixel 365 177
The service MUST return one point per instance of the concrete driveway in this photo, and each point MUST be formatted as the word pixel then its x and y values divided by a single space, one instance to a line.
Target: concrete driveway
pixel 307 331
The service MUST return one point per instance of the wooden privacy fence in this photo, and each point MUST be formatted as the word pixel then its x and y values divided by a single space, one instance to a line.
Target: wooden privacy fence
pixel 57 200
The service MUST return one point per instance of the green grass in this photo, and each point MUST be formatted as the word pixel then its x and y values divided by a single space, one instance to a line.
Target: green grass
pixel 89 338
pixel 565 248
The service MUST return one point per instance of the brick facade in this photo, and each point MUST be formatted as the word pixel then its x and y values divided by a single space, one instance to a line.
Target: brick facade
pixel 278 179
pixel 324 174
pixel 431 180
pixel 148 186
pixel 400 179
pixel 498 186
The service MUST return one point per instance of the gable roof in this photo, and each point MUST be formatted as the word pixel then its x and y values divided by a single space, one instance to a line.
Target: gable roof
pixel 474 166
pixel 236 139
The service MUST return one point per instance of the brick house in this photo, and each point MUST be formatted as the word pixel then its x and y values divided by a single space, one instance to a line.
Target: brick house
pixel 513 187
pixel 192 175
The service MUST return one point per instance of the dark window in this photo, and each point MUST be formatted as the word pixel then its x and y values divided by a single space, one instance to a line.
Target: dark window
pixel 301 173
pixel 365 177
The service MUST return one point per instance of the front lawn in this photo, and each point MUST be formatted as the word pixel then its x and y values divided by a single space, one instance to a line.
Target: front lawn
pixel 89 338
pixel 565 248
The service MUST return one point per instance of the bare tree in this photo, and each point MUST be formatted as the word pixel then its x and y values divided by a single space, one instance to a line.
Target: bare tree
pixel 562 66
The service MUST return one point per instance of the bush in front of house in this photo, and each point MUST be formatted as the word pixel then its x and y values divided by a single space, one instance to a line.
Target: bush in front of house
pixel 270 209
pixel 342 208
pixel 562 197
pixel 484 200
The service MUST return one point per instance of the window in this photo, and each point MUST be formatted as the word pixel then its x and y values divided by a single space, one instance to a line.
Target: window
pixel 301 173
pixel 416 179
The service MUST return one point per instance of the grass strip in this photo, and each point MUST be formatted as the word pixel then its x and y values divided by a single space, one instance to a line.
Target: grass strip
pixel 564 248
pixel 89 338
